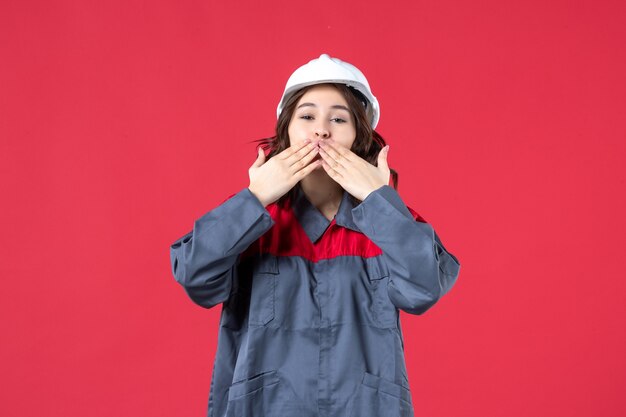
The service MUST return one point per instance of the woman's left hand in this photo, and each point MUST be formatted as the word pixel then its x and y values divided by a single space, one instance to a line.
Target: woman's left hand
pixel 353 173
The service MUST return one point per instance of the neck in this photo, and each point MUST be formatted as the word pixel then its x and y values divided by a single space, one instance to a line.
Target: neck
pixel 322 192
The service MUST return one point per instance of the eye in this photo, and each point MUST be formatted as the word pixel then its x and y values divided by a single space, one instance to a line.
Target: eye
pixel 306 117
pixel 339 120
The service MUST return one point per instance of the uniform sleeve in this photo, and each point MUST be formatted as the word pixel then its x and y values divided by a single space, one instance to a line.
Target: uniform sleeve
pixel 203 260
pixel 421 270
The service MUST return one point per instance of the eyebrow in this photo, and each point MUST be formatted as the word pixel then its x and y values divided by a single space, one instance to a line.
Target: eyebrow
pixel 336 106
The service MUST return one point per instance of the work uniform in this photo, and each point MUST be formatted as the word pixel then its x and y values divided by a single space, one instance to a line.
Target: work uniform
pixel 310 315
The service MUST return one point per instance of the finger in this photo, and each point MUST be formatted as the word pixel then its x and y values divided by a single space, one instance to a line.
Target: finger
pixel 337 150
pixel 308 169
pixel 331 160
pixel 295 158
pixel 260 159
pixel 293 149
pixel 333 173
pixel 304 161
pixel 382 158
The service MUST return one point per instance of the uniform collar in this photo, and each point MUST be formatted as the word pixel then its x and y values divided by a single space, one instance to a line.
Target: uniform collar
pixel 314 222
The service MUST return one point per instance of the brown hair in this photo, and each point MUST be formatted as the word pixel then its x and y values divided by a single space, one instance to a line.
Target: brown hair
pixel 367 144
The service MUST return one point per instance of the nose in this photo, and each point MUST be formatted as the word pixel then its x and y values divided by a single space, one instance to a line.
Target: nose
pixel 321 132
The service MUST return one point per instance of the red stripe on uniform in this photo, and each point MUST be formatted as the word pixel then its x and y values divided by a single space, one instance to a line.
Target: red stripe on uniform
pixel 288 238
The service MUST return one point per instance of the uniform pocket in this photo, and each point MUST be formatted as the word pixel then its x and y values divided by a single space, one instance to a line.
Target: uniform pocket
pixel 376 396
pixel 252 397
pixel 263 290
pixel 263 395
pixel 385 313
pixel 248 386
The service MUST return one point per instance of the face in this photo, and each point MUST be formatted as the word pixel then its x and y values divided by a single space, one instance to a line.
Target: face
pixel 321 113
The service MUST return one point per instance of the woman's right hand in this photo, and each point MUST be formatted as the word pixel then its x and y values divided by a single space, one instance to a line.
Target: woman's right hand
pixel 272 179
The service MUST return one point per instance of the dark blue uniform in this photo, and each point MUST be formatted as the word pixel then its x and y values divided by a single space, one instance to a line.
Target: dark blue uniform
pixel 310 315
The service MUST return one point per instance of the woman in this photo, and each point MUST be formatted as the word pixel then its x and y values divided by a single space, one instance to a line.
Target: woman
pixel 313 261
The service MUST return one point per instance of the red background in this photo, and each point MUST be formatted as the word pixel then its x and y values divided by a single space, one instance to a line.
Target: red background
pixel 121 122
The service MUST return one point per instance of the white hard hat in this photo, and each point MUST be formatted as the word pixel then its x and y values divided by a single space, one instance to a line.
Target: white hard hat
pixel 331 70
